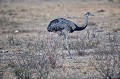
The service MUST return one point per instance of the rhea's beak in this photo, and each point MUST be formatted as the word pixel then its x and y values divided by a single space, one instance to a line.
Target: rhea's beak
pixel 91 14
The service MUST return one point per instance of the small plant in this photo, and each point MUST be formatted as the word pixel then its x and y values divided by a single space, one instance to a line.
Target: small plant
pixel 13 41
pixel 52 55
pixel 38 55
pixel 108 66
pixel 1 74
pixel 107 63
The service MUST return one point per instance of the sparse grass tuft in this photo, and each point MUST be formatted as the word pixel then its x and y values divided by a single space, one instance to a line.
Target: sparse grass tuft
pixel 13 41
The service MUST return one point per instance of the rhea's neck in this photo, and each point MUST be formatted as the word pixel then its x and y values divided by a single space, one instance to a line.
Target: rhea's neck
pixel 85 22
pixel 84 25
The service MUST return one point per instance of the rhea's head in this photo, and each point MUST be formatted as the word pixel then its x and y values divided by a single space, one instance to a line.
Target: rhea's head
pixel 88 14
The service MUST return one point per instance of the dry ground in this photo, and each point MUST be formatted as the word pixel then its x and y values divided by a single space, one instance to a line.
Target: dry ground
pixel 22 23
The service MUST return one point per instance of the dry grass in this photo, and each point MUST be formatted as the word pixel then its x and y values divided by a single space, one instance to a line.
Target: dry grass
pixel 27 50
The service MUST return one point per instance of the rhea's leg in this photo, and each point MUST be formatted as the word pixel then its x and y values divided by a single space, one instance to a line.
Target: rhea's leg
pixel 56 38
pixel 66 44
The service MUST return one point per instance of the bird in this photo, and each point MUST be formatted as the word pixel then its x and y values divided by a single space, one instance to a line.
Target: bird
pixel 63 27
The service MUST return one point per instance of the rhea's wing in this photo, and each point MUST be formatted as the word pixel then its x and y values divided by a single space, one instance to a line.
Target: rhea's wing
pixel 60 24
pixel 55 25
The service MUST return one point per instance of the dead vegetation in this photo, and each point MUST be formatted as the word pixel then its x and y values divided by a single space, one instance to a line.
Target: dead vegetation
pixel 27 51
pixel 107 62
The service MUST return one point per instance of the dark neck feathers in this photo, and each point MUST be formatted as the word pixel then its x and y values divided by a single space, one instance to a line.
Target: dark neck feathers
pixel 83 26
pixel 80 28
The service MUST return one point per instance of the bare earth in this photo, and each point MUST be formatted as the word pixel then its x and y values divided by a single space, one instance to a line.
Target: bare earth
pixel 28 21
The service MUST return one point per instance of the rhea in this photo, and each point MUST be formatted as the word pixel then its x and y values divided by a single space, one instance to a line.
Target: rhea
pixel 63 27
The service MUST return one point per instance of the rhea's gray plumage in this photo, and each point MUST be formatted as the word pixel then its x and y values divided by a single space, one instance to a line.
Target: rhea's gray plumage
pixel 63 26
